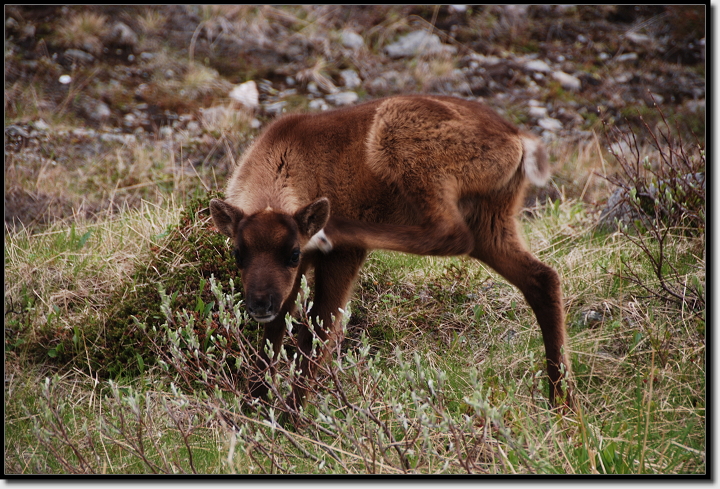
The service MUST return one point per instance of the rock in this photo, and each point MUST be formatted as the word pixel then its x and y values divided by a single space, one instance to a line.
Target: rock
pixel 77 56
pixel 568 82
pixel 617 209
pixel 118 138
pixel 122 35
pixel 592 319
pixel 352 40
pixel 390 82
pixel 460 9
pixel 638 38
pixel 95 110
pixel 129 121
pixel 350 78
pixel 193 128
pixel 485 60
pixel 417 42
pixel 246 94
pixel 16 131
pixel 313 89
pixel 627 57
pixel 342 98
pixel 537 65
pixel 145 56
pixel 275 108
pixel 569 117
pixel 695 105
pixel 550 124
pixel 538 112
pixel 318 104
pixel 166 132
pixel 27 32
pixel 41 125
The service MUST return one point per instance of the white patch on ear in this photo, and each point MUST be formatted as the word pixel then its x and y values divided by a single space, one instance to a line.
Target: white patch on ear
pixel 319 241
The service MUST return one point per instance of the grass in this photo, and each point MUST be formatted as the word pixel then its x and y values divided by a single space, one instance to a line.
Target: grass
pixel 84 31
pixel 441 370
pixel 639 372
pixel 127 344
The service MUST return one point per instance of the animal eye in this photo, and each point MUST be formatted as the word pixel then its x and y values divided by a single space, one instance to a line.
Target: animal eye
pixel 294 258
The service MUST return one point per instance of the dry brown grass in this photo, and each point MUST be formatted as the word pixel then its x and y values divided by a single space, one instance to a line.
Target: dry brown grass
pixel 84 30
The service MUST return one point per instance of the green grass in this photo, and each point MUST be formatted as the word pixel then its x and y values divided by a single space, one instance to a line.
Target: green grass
pixel 127 347
pixel 639 372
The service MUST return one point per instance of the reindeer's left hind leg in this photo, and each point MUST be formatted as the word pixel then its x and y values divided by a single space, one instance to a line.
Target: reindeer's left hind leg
pixel 498 244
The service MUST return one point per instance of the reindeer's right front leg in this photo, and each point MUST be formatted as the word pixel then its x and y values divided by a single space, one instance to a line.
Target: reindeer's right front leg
pixel 274 333
pixel 334 277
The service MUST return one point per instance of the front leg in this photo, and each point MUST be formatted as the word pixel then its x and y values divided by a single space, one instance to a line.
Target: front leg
pixel 274 333
pixel 334 277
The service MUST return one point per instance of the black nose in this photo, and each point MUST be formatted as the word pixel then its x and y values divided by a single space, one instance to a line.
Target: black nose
pixel 261 306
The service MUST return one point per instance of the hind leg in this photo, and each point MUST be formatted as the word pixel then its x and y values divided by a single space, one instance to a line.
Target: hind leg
pixel 498 244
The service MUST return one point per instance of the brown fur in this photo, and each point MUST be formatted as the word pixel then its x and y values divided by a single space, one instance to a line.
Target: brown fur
pixel 421 174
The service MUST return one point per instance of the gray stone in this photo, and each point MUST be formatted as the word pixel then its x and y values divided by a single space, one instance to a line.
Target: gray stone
pixel 638 38
pixel 618 208
pixel 568 82
pixel 538 112
pixel 550 124
pixel 247 94
pixel 538 65
pixel 352 40
pixel 122 35
pixel 418 42
pixel 77 56
pixel 318 104
pixel 350 78
pixel 117 138
pixel 276 107
pixel 193 128
pixel 41 125
pixel 627 57
pixel 95 110
pixel 342 98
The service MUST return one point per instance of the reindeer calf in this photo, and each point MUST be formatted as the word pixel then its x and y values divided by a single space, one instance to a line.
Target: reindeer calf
pixel 422 174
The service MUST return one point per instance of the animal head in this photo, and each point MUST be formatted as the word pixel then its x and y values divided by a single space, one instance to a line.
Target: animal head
pixel 268 246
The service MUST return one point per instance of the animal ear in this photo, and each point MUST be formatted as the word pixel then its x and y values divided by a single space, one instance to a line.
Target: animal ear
pixel 225 216
pixel 313 217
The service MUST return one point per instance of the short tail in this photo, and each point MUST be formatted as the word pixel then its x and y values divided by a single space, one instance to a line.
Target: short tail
pixel 535 160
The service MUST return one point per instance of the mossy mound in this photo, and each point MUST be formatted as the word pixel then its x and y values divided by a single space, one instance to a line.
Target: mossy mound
pixel 181 262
